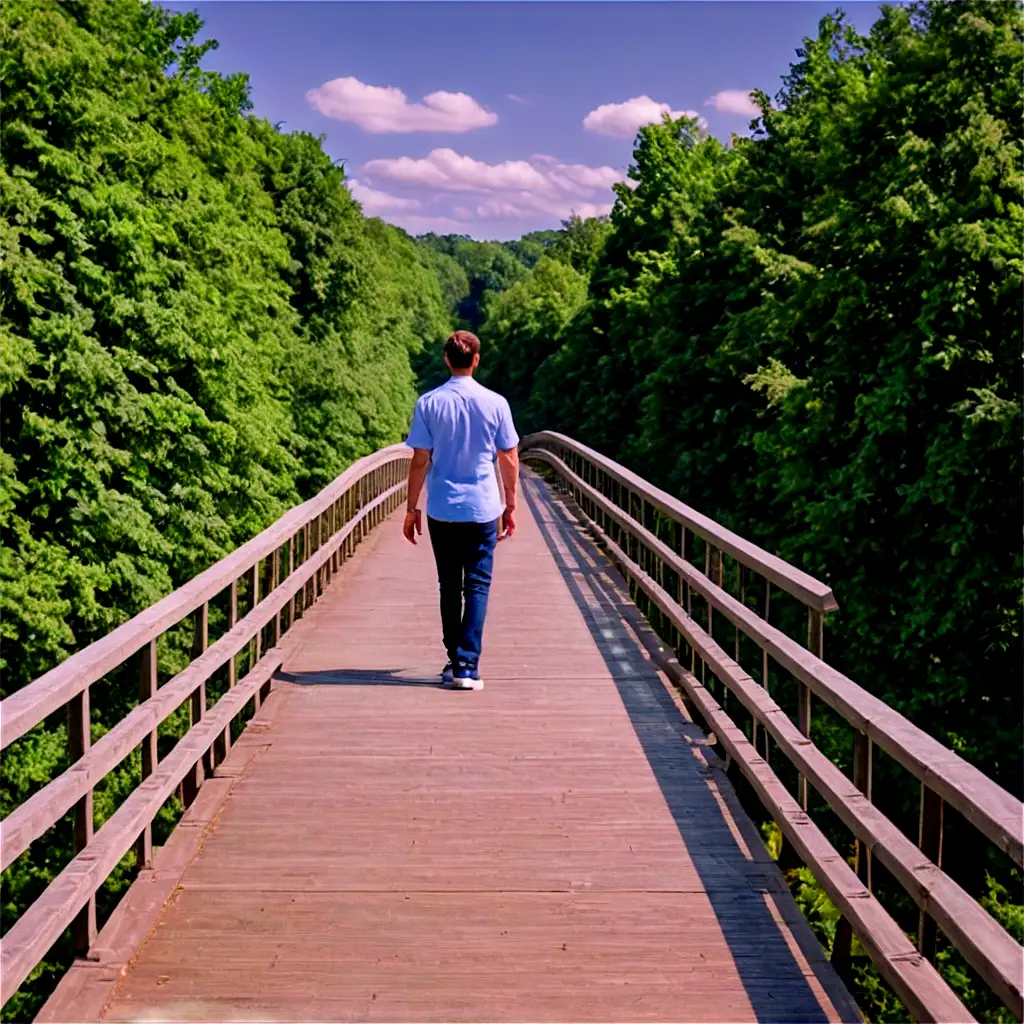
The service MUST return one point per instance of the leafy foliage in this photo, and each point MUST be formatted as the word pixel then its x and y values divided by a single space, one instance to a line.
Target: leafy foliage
pixel 813 336
pixel 199 329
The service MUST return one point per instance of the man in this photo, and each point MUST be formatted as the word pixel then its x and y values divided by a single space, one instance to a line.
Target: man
pixel 458 431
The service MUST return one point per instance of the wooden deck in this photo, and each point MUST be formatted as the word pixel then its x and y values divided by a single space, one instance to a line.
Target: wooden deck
pixel 559 846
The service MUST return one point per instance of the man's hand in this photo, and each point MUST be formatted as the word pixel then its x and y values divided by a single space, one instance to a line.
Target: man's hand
pixel 413 525
pixel 508 523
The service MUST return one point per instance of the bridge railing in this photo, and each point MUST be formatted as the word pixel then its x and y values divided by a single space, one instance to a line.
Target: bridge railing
pixel 280 574
pixel 646 532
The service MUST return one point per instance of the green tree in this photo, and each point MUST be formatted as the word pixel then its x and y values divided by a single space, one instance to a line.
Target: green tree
pixel 523 326
pixel 580 242
pixel 198 329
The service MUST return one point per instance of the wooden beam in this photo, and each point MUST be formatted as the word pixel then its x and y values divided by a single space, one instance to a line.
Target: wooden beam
pixel 147 690
pixel 979 937
pixel 52 691
pixel 986 805
pixel 197 702
pixel 83 923
pixel 786 577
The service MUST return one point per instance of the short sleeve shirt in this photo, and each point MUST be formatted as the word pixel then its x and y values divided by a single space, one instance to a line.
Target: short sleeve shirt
pixel 463 425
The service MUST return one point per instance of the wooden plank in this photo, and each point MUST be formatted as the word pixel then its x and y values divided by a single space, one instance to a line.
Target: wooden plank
pixel 24 825
pixel 197 702
pixel 86 988
pixel 83 924
pixel 28 940
pixel 983 942
pixel 51 691
pixel 916 982
pixel 519 853
pixel 150 757
pixel 223 745
pixel 788 578
pixel 989 807
pixel 930 843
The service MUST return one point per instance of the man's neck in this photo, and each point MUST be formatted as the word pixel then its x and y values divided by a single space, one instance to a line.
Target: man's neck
pixel 463 374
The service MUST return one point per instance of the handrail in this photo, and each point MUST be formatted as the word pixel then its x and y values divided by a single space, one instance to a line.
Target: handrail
pixel 945 777
pixel 320 535
pixel 26 708
pixel 786 577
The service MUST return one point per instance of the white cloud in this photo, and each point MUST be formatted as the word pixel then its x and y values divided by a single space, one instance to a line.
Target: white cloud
pixel 380 109
pixel 540 189
pixel 420 224
pixel 623 120
pixel 734 101
pixel 528 207
pixel 445 169
pixel 375 203
pixel 519 99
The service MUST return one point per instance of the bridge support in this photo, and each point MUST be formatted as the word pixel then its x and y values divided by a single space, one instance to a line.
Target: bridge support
pixel 83 927
pixel 147 688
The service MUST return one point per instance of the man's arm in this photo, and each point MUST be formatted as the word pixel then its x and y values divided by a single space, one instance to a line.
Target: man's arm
pixel 421 441
pixel 417 474
pixel 508 466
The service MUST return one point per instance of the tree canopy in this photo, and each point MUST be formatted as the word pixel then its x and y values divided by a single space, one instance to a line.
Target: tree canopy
pixel 813 336
pixel 200 329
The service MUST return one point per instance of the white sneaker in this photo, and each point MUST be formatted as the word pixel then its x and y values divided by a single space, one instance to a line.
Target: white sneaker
pixel 466 679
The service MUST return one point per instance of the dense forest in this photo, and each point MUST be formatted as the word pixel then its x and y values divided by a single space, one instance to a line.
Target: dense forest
pixel 811 334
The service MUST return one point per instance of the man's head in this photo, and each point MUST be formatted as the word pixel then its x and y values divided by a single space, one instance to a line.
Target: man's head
pixel 462 353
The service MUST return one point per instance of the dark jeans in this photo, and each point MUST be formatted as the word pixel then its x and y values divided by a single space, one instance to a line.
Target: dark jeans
pixel 464 553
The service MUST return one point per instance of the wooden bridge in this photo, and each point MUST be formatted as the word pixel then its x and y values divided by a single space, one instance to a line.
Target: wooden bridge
pixel 360 843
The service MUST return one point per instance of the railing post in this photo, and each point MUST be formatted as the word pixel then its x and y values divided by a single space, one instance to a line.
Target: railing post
pixel 862 779
pixel 275 580
pixel 815 643
pixel 318 587
pixel 335 516
pixel 291 570
pixel 348 519
pixel 147 689
pixel 843 941
pixel 764 656
pixel 222 747
pixel 309 585
pixel 689 607
pixel 257 639
pixel 197 704
pixel 930 842
pixel 329 564
pixel 83 928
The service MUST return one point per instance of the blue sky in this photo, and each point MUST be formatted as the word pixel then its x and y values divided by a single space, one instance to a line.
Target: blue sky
pixel 493 119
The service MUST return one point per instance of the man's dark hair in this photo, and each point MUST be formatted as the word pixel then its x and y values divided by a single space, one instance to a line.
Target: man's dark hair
pixel 460 349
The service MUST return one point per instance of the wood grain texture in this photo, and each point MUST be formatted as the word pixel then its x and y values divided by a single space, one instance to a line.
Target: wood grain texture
pixel 560 846
pixel 29 821
pixel 919 986
pixel 31 704
pixel 993 810
pixel 786 577
pixel 988 947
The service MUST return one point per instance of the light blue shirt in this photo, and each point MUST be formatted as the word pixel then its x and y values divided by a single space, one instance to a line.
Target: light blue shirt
pixel 463 425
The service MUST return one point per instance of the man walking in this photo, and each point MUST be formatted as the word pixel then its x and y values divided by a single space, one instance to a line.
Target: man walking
pixel 458 432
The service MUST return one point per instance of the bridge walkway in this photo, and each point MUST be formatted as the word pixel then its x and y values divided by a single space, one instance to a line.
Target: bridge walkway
pixel 561 846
